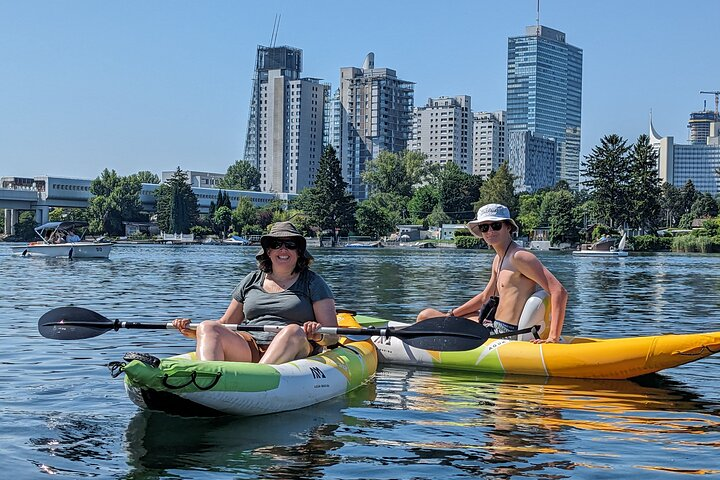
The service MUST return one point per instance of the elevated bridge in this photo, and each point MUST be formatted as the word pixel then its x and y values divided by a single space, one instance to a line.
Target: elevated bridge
pixel 41 193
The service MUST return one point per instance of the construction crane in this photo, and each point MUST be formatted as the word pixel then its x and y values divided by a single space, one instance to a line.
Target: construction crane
pixel 717 97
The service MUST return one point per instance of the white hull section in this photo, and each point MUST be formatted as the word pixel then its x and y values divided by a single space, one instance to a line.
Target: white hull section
pixel 91 250
pixel 67 250
pixel 43 250
pixel 299 387
pixel 600 253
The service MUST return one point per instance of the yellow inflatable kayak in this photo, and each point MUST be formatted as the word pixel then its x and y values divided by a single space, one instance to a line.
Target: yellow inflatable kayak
pixel 617 358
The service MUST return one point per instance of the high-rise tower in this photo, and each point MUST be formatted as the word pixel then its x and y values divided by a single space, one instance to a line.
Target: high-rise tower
pixel 285 124
pixel 443 131
pixel 544 94
pixel 376 115
pixel 489 140
pixel 699 126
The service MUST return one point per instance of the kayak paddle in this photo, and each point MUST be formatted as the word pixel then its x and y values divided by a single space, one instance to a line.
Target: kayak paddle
pixel 438 333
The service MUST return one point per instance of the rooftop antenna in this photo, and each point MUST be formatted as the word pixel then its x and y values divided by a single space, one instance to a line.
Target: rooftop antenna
pixel 276 28
pixel 537 19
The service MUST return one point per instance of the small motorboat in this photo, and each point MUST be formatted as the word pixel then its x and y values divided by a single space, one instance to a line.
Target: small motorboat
pixel 604 248
pixel 236 240
pixel 59 239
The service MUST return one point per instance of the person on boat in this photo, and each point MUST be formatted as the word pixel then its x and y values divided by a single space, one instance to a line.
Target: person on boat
pixel 283 291
pixel 516 274
pixel 72 237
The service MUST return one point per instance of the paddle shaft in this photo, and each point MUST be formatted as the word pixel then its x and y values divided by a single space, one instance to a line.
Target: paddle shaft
pixel 372 331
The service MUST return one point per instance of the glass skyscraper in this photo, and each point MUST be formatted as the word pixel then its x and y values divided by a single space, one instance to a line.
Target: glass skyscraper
pixel 544 94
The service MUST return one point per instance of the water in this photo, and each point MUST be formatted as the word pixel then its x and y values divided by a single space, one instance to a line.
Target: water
pixel 62 414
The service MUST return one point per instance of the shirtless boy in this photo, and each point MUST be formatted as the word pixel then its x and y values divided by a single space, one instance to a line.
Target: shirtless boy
pixel 516 273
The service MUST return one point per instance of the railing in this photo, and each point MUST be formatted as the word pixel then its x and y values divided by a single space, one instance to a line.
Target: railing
pixel 178 237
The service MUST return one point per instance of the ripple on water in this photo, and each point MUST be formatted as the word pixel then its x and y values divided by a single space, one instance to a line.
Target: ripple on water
pixel 63 414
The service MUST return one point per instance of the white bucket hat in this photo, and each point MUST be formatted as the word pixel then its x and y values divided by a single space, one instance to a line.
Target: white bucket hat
pixel 492 212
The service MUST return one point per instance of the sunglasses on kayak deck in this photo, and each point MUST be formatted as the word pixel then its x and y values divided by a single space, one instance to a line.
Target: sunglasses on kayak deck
pixel 289 244
pixel 486 226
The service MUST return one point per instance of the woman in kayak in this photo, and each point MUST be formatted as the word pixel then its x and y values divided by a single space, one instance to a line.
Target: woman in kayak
pixel 283 291
pixel 515 276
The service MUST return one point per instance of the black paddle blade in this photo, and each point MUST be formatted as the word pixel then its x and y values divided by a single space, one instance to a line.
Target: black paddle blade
pixel 444 334
pixel 73 323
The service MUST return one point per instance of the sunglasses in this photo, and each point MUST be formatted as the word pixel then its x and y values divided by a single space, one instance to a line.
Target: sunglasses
pixel 486 226
pixel 289 244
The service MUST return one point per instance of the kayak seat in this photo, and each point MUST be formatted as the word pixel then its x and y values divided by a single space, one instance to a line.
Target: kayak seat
pixel 536 312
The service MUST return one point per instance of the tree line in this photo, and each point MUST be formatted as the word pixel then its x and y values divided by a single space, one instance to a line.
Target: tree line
pixel 621 190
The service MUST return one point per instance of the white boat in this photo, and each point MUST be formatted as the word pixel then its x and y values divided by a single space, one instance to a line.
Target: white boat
pixel 57 239
pixel 603 249
pixel 235 240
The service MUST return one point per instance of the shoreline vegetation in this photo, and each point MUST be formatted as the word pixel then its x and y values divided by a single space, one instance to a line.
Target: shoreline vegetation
pixel 620 193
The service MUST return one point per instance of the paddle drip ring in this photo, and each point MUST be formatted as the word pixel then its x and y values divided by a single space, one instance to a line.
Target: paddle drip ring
pixel 192 381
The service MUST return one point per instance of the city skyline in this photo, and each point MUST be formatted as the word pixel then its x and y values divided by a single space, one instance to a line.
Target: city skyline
pixel 150 86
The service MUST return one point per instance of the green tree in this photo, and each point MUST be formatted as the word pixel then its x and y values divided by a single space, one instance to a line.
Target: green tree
pixel 146 176
pixel 498 188
pixel 241 175
pixel 245 214
pixel 644 185
pixel 671 204
pixel 268 212
pixel 562 216
pixel 607 177
pixel 705 206
pixel 528 215
pixel 66 214
pixel 328 204
pixel 223 218
pixel 177 205
pixel 438 217
pixel 458 191
pixel 423 202
pixel 378 215
pixel 395 173
pixel 688 195
pixel 25 228
pixel 115 199
pixel 222 200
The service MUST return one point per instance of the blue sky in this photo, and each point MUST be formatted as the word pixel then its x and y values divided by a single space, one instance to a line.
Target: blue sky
pixel 151 85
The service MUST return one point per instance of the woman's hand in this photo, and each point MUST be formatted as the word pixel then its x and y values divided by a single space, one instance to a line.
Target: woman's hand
pixel 310 328
pixel 182 324
pixel 547 340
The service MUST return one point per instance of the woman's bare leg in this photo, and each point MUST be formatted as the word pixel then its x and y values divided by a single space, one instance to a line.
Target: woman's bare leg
pixel 290 344
pixel 215 342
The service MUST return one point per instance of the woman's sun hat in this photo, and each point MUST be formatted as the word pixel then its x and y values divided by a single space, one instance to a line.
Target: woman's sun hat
pixel 492 212
pixel 284 230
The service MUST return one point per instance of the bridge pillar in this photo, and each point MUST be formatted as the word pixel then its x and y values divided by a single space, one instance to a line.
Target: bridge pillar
pixel 12 217
pixel 42 215
pixel 7 230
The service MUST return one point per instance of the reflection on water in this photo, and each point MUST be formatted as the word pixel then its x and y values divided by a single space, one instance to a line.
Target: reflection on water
pixel 62 414
pixel 492 426
pixel 285 445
